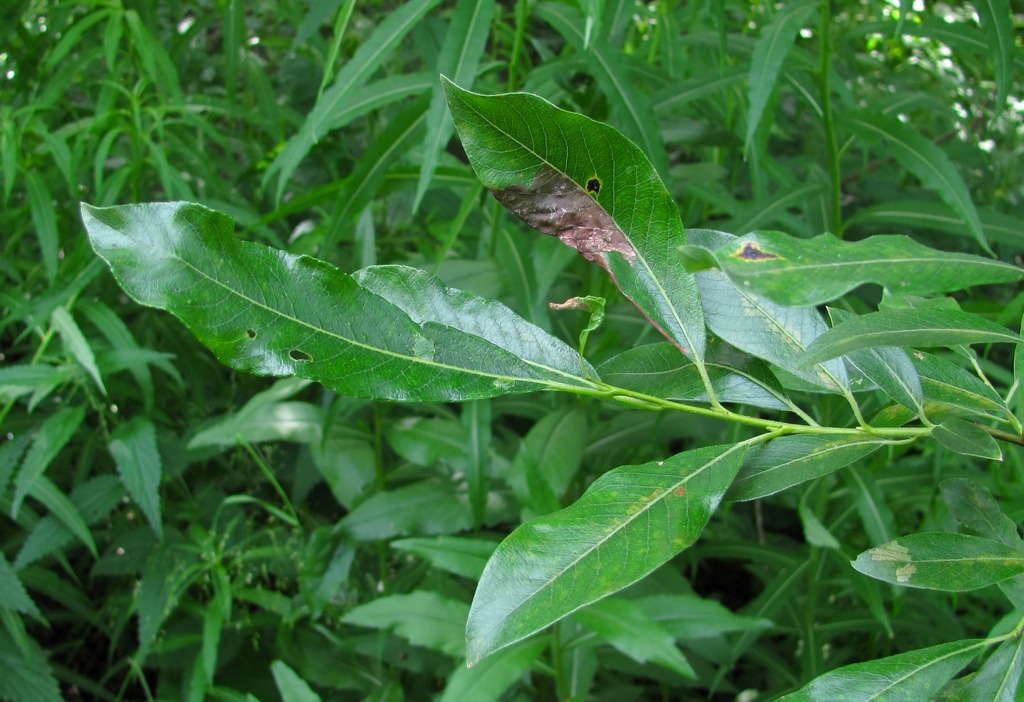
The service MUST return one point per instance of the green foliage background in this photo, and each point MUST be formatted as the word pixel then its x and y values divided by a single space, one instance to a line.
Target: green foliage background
pixel 175 530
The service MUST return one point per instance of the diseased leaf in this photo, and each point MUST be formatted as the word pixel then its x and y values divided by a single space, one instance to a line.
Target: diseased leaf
pixel 913 328
pixel 585 183
pixel 802 272
pixel 791 460
pixel 323 325
pixel 763 328
pixel 915 675
pixel 924 159
pixel 939 561
pixel 629 522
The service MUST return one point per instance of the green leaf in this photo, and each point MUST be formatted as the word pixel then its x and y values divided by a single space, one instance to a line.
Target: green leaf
pixel 997 21
pixel 367 59
pixel 629 522
pixel 939 561
pixel 461 51
pixel 16 597
pixel 924 159
pixel 421 508
pixel 423 618
pixel 488 680
pixel 133 446
pixel 52 436
pixel 999 678
pixel 915 675
pixel 547 460
pixel 688 617
pixel 629 629
pixel 76 344
pixel 25 674
pixel 60 505
pixel 45 221
pixel 888 367
pixel 770 51
pixel 326 564
pixel 605 63
pixel 460 555
pixel 322 325
pixel 914 328
pixel 936 215
pixel 802 272
pixel 661 371
pixel 582 181
pixel 763 328
pixel 361 186
pixel 292 687
pixel 967 438
pixel 791 460
pixel 951 390
pixel 266 417
pixel 973 506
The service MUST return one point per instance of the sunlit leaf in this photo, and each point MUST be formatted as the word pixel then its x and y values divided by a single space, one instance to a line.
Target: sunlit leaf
pixel 629 522
pixel 940 561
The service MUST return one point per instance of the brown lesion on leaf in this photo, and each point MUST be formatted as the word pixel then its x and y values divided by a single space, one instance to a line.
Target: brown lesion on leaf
pixel 555 205
pixel 594 186
pixel 750 251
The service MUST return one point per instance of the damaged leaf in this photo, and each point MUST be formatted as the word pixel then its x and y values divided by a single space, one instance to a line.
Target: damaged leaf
pixel 583 182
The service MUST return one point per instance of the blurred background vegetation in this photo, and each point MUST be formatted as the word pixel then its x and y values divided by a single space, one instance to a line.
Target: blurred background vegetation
pixel 173 530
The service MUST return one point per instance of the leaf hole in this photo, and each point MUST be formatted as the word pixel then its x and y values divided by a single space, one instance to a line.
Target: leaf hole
pixel 251 333
pixel 298 355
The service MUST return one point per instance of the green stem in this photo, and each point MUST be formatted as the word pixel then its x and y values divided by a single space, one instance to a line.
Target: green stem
pixel 269 474
pixel 522 13
pixel 835 222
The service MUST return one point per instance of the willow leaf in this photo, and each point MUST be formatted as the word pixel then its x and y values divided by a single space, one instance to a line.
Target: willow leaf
pixel 571 177
pixel 629 522
pixel 267 312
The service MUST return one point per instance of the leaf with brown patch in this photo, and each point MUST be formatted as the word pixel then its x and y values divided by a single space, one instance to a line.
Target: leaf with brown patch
pixel 583 182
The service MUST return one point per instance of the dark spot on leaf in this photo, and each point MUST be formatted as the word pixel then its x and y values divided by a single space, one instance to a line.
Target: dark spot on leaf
pixel 752 252
pixel 251 333
pixel 594 186
pixel 554 204
pixel 298 355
